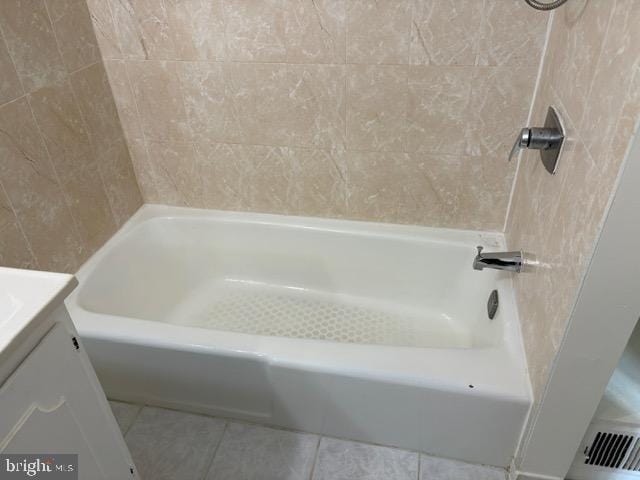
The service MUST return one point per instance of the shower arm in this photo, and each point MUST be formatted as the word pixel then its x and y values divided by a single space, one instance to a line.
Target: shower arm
pixel 538 5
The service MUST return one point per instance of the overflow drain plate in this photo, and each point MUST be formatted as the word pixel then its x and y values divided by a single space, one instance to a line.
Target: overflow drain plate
pixel 492 304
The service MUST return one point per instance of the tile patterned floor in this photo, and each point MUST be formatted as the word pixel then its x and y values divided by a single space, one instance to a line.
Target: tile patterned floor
pixel 170 445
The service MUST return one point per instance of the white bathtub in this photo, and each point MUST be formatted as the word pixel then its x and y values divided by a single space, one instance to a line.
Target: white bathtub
pixel 371 332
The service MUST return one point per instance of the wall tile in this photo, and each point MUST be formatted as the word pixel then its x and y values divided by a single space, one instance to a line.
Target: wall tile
pixel 116 170
pixel 15 250
pixel 378 32
pixel 168 171
pixel 620 59
pixel 10 87
pixel 275 80
pixel 124 99
pixel 273 179
pixel 34 192
pixel 197 29
pixel 91 88
pixel 467 110
pixel 67 141
pixel 500 102
pixel 473 191
pixel 511 34
pixel 319 184
pixel 286 31
pixel 377 107
pixel 31 43
pixel 197 179
pixel 143 29
pixel 294 105
pixel 66 169
pixel 446 32
pixel 591 76
pixel 626 124
pixel 438 112
pixel 74 32
pixel 209 102
pixel 436 190
pixel 60 121
pixel 104 28
pixel 86 197
pixel 315 31
pixel 575 43
pixel 157 92
pixel 250 177
pixel 143 170
pixel 386 185
pixel 256 30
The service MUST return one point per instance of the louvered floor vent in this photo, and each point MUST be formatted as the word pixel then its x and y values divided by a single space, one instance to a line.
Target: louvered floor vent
pixel 608 451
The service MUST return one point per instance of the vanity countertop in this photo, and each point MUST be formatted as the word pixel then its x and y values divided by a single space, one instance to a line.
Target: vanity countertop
pixel 26 298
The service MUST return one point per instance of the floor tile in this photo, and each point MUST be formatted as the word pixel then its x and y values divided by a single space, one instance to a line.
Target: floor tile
pixel 125 414
pixel 170 445
pixel 432 468
pixel 250 452
pixel 343 460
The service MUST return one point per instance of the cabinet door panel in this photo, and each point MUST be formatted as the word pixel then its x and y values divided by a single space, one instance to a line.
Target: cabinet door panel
pixel 53 404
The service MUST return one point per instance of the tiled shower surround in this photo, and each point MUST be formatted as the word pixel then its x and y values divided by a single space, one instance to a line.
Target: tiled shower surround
pixel 66 180
pixel 398 111
pixel 592 74
pixel 391 110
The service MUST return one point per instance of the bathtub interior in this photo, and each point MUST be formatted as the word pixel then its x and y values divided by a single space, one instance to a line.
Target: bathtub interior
pixel 295 280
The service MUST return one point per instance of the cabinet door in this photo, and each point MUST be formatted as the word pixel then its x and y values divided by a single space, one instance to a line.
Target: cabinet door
pixel 53 404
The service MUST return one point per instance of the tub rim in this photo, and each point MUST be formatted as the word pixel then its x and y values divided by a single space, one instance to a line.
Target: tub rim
pixel 495 371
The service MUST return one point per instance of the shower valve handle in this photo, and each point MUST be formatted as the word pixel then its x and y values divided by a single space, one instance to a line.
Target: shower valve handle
pixel 547 139
pixel 521 142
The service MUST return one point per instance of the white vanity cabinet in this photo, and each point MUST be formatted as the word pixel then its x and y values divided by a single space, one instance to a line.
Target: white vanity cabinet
pixel 50 399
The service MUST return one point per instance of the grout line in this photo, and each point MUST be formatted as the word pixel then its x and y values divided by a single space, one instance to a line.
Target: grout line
pixel 20 227
pixel 344 148
pixel 316 64
pixel 135 418
pixel 605 36
pixel 58 182
pixel 145 141
pixel 346 184
pixel 43 137
pixel 534 97
pixel 24 95
pixel 116 32
pixel 92 141
pixel 225 46
pixel 84 67
pixel 215 450
pixel 315 458
pixel 3 39
pixel 123 138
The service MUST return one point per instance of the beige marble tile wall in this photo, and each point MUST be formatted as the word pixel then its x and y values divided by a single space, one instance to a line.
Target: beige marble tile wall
pixel 395 111
pixel 592 73
pixel 66 178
